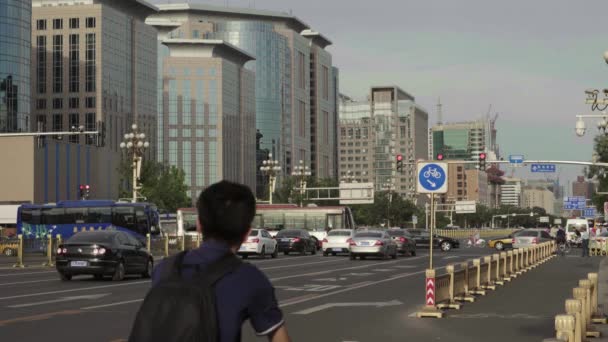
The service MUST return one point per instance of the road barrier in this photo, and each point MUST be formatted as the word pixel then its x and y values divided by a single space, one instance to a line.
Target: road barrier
pixel 583 310
pixel 467 233
pixel 475 277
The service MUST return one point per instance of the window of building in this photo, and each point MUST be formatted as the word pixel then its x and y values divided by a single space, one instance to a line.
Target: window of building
pixel 57 24
pixel 74 63
pixel 326 127
pixel 302 118
pixel 41 63
pixel 90 77
pixel 41 123
pixel 301 70
pixel 57 103
pixel 90 22
pixel 73 124
pixel 90 102
pixel 195 34
pixel 74 102
pixel 57 63
pixel 57 123
pixel 325 84
pixel 41 24
pixel 74 23
pixel 41 104
pixel 89 125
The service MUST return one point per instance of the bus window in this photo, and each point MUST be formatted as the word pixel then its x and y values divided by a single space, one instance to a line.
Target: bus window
pixel 30 216
pixel 334 221
pixel 315 221
pixel 142 220
pixel 76 215
pixel 53 216
pixel 257 222
pixel 274 220
pixel 295 221
pixel 100 215
pixel 123 217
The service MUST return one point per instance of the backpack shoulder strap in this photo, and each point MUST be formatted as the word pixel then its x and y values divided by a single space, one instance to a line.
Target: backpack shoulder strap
pixel 172 267
pixel 217 270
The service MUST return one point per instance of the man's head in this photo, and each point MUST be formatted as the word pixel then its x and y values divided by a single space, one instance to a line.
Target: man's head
pixel 225 212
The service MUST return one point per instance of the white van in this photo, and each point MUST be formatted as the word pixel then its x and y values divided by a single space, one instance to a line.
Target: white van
pixel 575 224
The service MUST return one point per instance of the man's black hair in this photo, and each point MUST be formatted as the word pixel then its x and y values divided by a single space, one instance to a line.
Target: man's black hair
pixel 225 211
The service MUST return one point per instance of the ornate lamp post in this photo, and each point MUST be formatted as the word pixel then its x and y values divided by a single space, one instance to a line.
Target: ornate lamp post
pixel 301 171
pixel 271 169
pixel 134 146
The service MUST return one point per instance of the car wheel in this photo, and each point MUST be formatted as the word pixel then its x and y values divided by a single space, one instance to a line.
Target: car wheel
pixel 8 252
pixel 263 252
pixel 394 256
pixel 325 254
pixel 499 246
pixel 65 277
pixel 413 252
pixel 334 254
pixel 148 271
pixel 362 257
pixel 445 246
pixel 275 253
pixel 286 253
pixel 98 277
pixel 119 274
pixel 245 256
pixel 352 256
pixel 314 250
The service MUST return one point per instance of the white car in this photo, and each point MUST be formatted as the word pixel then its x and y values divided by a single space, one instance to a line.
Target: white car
pixel 337 241
pixel 259 242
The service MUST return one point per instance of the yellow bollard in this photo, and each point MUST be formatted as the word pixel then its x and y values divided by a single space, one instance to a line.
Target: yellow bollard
pixel 49 252
pixel 574 307
pixel 497 278
pixel 166 242
pixel 596 316
pixel 182 243
pixel 564 327
pixel 19 263
pixel 148 243
pixel 588 286
pixel 199 237
pixel 512 273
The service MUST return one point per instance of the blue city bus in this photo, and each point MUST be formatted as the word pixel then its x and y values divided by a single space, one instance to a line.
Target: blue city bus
pixel 36 221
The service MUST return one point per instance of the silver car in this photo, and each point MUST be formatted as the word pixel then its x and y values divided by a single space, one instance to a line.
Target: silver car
pixel 372 243
pixel 530 237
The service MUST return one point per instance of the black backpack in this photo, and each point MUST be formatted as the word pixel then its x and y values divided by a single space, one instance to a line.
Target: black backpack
pixel 182 310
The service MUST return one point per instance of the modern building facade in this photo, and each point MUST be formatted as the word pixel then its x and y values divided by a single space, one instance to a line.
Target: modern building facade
pixel 465 140
pixel 94 66
pixel 583 188
pixel 510 192
pixel 209 112
pixel 374 132
pixel 466 185
pixel 539 197
pixel 294 81
pixel 15 47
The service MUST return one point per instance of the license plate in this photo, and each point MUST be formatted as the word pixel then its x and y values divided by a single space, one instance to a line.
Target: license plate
pixel 364 243
pixel 78 263
pixel 243 247
pixel 286 240
pixel 337 249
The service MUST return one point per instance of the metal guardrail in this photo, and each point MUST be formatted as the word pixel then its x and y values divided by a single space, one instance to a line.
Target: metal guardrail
pixel 467 233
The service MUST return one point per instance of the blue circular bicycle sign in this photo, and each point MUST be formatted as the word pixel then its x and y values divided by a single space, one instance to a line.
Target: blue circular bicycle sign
pixel 432 177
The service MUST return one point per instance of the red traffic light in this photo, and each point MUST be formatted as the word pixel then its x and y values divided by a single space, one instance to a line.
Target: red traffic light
pixel 482 156
pixel 82 187
pixel 399 157
pixel 440 156
pixel 87 187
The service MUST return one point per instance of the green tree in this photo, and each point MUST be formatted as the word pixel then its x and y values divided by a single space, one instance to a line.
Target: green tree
pixel 600 147
pixel 398 211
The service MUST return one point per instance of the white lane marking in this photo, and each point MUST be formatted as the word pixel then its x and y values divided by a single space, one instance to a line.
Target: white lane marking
pixel 299 257
pixel 292 265
pixel 75 290
pixel 26 273
pixel 330 279
pixel 112 304
pixel 405 266
pixel 383 270
pixel 311 288
pixel 337 269
pixel 351 288
pixel 363 274
pixel 330 305
pixel 413 314
pixel 451 257
pixel 29 282
pixel 59 300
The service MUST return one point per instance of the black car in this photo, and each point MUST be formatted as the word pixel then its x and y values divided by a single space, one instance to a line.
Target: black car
pixel 406 243
pixel 295 240
pixel 422 238
pixel 103 253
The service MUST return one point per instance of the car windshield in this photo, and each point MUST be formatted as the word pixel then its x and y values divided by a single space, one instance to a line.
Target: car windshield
pixel 339 233
pixel 253 233
pixel 92 237
pixel 368 235
pixel 575 226
pixel 289 233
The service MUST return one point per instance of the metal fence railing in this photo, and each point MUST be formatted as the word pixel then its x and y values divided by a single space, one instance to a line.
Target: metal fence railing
pixel 467 233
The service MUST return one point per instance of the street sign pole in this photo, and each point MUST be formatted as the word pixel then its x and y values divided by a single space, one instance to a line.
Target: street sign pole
pixel 432 230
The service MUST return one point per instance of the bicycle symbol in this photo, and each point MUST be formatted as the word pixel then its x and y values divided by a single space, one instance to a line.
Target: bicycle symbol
pixel 432 172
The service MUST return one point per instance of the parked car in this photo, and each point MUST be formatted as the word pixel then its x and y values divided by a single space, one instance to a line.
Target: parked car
pixel 337 241
pixel 372 243
pixel 405 242
pixel 530 237
pixel 422 239
pixel 103 253
pixel 296 240
pixel 259 243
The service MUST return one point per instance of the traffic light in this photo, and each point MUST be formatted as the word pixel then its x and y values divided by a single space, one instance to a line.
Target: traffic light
pixel 439 156
pixel 87 190
pixel 482 161
pixel 399 163
pixel 84 191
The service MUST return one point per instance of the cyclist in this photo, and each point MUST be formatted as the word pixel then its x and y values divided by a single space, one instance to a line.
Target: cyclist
pixel 560 238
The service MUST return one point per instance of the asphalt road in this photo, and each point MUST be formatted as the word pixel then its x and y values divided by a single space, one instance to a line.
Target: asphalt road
pixel 323 299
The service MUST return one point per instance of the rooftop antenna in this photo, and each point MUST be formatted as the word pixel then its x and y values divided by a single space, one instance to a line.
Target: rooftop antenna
pixel 439 113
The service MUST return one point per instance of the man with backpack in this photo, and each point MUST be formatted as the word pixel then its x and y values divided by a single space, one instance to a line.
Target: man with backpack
pixel 206 294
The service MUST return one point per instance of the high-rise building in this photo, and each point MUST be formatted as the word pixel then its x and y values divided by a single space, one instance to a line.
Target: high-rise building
pixel 583 188
pixel 209 112
pixel 510 192
pixel 94 65
pixel 290 59
pixel 465 140
pixel 15 44
pixel 374 132
pixel 538 197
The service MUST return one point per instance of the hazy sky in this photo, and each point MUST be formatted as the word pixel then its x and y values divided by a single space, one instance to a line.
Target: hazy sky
pixel 530 59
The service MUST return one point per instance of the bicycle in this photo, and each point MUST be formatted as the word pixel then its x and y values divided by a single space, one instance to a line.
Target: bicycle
pixel 475 242
pixel 564 247
pixel 432 172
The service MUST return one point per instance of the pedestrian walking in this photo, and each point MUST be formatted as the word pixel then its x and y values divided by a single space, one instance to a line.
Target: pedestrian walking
pixel 585 241
pixel 208 293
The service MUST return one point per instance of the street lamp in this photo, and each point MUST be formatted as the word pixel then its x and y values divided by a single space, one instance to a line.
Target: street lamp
pixel 301 171
pixel 389 187
pixel 349 177
pixel 270 168
pixel 134 145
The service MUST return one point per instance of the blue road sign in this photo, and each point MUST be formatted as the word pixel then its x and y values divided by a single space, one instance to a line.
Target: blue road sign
pixel 542 168
pixel 590 212
pixel 575 203
pixel 432 178
pixel 516 159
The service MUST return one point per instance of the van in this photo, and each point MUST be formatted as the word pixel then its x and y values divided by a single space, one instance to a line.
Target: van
pixel 575 224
